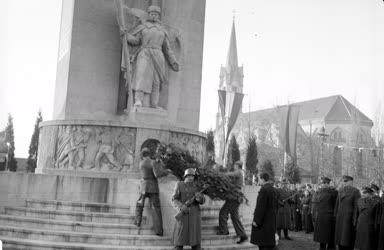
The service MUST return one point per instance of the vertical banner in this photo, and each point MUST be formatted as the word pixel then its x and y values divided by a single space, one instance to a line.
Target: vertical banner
pixel 235 101
pixel 289 117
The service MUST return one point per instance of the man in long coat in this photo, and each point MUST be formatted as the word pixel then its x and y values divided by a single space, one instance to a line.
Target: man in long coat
pixel 324 201
pixel 231 206
pixel 366 231
pixel 283 220
pixel 264 217
pixel 346 214
pixel 187 229
pixel 380 222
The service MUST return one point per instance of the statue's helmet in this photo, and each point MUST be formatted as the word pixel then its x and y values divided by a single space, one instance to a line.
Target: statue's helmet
pixel 189 171
pixel 154 8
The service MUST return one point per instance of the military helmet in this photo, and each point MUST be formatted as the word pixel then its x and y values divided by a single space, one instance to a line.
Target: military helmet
pixel 189 171
pixel 154 8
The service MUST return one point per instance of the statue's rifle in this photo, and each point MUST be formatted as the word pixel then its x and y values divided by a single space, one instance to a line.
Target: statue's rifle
pixel 125 55
pixel 189 202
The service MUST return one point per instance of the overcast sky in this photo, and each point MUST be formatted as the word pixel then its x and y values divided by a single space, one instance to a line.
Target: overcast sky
pixel 291 50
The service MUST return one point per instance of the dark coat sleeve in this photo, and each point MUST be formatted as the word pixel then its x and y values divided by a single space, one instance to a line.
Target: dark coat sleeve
pixel 261 207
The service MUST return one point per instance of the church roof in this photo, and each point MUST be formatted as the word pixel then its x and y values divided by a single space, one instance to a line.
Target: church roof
pixel 332 109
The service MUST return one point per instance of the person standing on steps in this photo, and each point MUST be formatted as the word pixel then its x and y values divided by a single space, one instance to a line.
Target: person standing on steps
pixel 187 200
pixel 346 214
pixel 231 206
pixel 149 188
pixel 264 217
pixel 324 201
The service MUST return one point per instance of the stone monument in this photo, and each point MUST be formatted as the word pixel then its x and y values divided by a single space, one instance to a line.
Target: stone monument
pixel 128 76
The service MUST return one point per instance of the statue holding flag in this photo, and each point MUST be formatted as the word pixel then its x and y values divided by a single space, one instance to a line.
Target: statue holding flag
pixel 153 55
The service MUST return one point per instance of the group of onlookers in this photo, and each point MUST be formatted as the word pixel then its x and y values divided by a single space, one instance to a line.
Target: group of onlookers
pixel 340 218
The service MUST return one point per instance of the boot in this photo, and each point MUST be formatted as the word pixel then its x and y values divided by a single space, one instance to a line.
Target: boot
pixel 139 215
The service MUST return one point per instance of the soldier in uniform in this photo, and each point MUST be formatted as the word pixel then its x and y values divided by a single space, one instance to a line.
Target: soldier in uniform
pixel 366 234
pixel 187 230
pixel 231 206
pixel 283 220
pixel 346 214
pixel 324 201
pixel 149 187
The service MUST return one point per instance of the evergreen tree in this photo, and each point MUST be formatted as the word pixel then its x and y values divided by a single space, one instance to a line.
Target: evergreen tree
pixel 33 146
pixel 233 152
pixel 10 138
pixel 292 173
pixel 267 167
pixel 210 148
pixel 251 160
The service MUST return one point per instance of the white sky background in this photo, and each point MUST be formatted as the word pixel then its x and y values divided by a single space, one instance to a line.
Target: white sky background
pixel 292 50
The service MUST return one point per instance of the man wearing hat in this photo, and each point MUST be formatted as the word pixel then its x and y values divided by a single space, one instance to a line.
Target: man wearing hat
pixel 150 64
pixel 324 201
pixel 346 214
pixel 366 233
pixel 149 188
pixel 187 200
pixel 232 206
pixel 264 216
pixel 283 219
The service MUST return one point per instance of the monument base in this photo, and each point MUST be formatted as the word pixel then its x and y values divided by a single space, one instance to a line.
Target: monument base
pixel 107 148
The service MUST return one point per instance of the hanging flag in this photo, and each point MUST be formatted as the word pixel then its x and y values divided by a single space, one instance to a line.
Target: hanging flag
pixel 234 101
pixel 222 102
pixel 292 130
pixel 289 117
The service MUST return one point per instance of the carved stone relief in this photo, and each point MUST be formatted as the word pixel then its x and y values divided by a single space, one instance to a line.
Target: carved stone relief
pixel 194 144
pixel 95 148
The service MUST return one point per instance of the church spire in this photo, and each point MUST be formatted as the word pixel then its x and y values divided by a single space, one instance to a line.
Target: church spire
pixel 232 61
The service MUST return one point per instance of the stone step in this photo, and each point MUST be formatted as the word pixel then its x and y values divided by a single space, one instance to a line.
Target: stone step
pixel 104 238
pixel 24 244
pixel 78 206
pixel 97 217
pixel 212 228
pixel 75 226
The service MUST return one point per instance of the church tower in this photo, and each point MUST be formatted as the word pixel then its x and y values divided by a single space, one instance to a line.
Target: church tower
pixel 230 89
pixel 231 75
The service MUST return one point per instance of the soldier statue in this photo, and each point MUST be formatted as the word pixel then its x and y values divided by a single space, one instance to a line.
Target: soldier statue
pixel 150 71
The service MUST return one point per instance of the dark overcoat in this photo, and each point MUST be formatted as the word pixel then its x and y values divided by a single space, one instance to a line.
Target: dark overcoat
pixel 366 236
pixel 306 208
pixel 346 216
pixel 187 230
pixel 265 217
pixel 380 221
pixel 324 201
pixel 283 220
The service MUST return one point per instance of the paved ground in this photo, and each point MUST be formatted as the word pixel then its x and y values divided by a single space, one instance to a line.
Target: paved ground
pixel 301 241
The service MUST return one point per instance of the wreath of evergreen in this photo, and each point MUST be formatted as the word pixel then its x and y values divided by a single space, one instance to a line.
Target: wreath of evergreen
pixel 220 185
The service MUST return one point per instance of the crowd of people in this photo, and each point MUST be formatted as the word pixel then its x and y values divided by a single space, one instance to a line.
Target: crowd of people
pixel 342 217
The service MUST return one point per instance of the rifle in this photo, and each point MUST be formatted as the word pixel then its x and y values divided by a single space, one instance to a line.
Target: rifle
pixel 189 202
